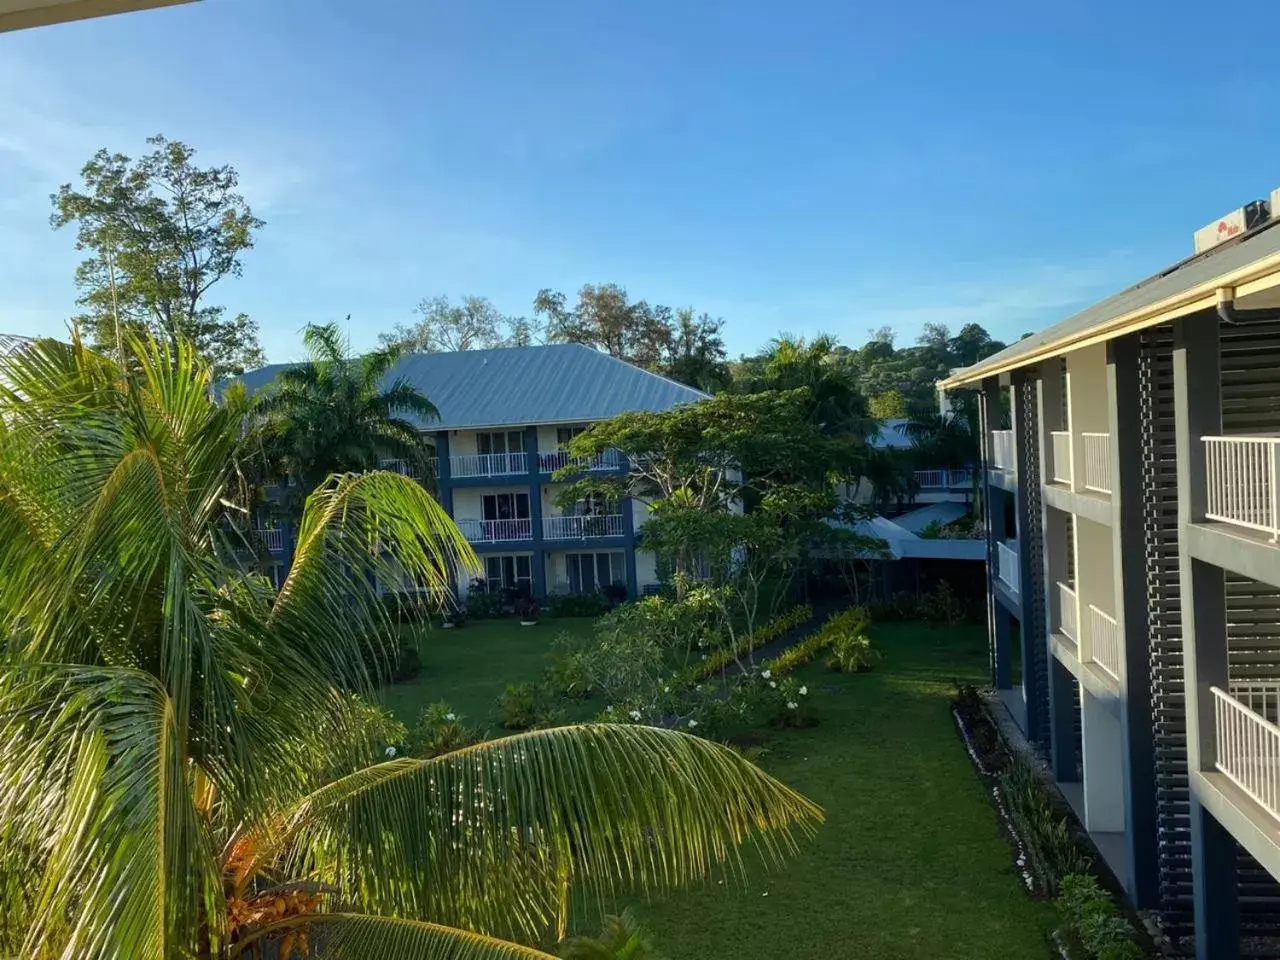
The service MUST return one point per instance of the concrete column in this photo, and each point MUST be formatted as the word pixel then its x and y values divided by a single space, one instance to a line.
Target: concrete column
pixel 1197 392
pixel 1214 855
pixel 1129 565
pixel 444 482
pixel 1103 783
pixel 1002 648
pixel 1063 690
pixel 985 489
pixel 1197 398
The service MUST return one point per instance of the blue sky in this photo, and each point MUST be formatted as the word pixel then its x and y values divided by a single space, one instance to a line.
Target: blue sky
pixel 801 166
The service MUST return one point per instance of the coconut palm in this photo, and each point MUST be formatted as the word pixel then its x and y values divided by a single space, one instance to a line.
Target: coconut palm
pixel 184 771
pixel 337 414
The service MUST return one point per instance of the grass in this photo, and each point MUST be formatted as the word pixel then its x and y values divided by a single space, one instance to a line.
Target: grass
pixel 910 864
pixel 469 667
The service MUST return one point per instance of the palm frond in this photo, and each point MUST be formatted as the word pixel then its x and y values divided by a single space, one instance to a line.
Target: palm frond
pixel 352 936
pixel 492 837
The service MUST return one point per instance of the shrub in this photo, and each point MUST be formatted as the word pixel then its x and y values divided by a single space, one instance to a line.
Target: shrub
pixel 527 609
pixel 614 593
pixel 1052 851
pixel 567 675
pixel 852 654
pixel 518 706
pixel 792 707
pixel 408 663
pixel 721 658
pixel 439 730
pixel 482 604
pixel 576 604
pixel 1092 921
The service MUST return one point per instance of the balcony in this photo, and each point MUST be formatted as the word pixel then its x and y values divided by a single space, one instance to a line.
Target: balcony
pixel 1060 463
pixel 1241 482
pixel 272 538
pixel 1007 568
pixel 1068 613
pixel 1102 644
pixel 404 467
pixel 1002 450
pixel 560 459
pixel 943 479
pixel 496 531
pixel 488 465
pixel 581 528
pixel 1248 740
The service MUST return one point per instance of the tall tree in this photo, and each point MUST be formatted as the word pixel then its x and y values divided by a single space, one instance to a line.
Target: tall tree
pixel 606 319
pixel 337 414
pixel 161 232
pixel 694 353
pixel 473 324
pixel 184 773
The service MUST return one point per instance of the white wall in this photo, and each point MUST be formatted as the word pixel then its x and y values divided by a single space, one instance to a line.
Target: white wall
pixel 1103 765
pixel 646 568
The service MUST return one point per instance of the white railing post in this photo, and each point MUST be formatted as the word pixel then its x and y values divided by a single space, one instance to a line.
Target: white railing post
pixel 1273 474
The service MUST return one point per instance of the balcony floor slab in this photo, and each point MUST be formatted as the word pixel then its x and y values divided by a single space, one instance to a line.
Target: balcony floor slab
pixel 1091 506
pixel 1250 553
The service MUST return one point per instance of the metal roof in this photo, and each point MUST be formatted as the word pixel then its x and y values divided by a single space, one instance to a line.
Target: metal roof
pixel 522 386
pixel 1181 278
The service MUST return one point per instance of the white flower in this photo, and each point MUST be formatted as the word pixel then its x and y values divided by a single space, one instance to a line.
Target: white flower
pixel 609 708
pixel 767 674
pixel 704 656
pixel 635 715
pixel 692 724
pixel 666 689
pixel 791 704
pixel 698 687
pixel 773 685
pixel 391 751
pixel 451 716
pixel 804 691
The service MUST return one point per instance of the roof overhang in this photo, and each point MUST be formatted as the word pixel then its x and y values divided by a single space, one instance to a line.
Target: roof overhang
pixel 1254 285
pixel 21 14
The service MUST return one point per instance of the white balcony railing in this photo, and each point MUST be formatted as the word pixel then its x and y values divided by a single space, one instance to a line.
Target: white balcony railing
pixel 943 479
pixel 1068 613
pixel 488 465
pixel 1097 461
pixel 1007 565
pixel 581 528
pixel 402 467
pixel 1060 463
pixel 272 538
pixel 1104 642
pixel 1248 746
pixel 1241 480
pixel 496 531
pixel 1002 450
pixel 559 459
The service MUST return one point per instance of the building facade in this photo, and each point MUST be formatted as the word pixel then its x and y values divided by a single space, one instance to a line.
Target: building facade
pixel 1132 480
pixel 506 418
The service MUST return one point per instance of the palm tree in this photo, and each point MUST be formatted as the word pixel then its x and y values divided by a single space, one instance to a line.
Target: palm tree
pixel 333 414
pixel 183 768
pixel 622 938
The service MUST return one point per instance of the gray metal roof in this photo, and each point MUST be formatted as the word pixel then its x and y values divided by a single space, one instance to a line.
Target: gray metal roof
pixel 1179 278
pixel 522 386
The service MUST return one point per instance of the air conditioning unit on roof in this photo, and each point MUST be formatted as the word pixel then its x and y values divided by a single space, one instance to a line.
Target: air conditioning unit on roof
pixel 1233 224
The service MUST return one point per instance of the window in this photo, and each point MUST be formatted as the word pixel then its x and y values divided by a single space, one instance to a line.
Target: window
pixel 508 571
pixel 502 441
pixel 589 572
pixel 506 506
pixel 565 434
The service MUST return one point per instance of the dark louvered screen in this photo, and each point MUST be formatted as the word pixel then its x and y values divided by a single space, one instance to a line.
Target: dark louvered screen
pixel 1168 707
pixel 1031 527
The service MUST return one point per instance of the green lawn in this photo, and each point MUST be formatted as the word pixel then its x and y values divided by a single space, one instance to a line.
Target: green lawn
pixel 910 864
pixel 469 667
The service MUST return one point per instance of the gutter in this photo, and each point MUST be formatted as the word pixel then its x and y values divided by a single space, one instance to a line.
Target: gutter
pixel 1254 277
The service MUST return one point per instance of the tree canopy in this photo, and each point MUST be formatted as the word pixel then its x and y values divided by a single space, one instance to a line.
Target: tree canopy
pixel 161 232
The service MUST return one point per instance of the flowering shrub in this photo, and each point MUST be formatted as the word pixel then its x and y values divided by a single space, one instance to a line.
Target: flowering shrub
pixel 852 654
pixel 792 706
pixel 440 730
